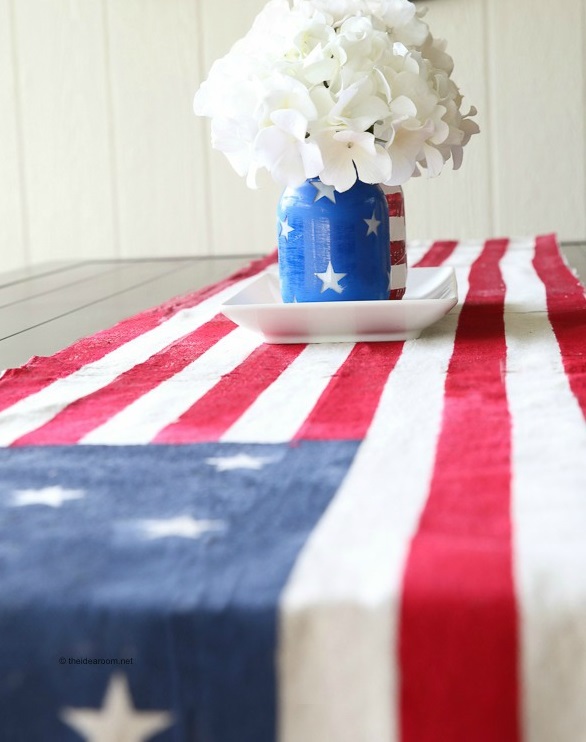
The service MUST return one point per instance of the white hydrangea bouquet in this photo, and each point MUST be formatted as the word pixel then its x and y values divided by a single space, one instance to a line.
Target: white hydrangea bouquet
pixel 337 89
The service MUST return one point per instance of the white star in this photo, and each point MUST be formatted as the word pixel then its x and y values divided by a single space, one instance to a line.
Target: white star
pixel 117 719
pixel 285 228
pixel 323 190
pixel 330 279
pixel 184 526
pixel 54 497
pixel 373 225
pixel 240 461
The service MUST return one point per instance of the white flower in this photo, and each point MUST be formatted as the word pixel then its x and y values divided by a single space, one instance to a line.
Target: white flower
pixel 281 92
pixel 405 150
pixel 235 138
pixel 322 64
pixel 337 89
pixel 400 16
pixel 349 155
pixel 284 151
pixel 338 10
pixel 355 108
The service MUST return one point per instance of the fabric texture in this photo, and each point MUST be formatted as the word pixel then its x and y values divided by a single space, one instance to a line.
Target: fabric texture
pixel 204 537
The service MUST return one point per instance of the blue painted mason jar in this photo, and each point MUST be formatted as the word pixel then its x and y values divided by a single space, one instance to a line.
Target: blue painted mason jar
pixel 333 246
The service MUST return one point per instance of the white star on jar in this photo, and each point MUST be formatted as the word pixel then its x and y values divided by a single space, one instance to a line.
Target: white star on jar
pixel 330 279
pixel 285 228
pixel 373 224
pixel 324 191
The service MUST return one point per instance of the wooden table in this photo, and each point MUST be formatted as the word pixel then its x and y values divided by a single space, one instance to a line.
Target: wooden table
pixel 46 307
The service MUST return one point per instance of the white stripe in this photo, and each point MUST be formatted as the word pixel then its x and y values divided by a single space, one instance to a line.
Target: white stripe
pixel 273 418
pixel 549 513
pixel 143 419
pixel 398 276
pixel 397 228
pixel 416 249
pixel 37 409
pixel 339 610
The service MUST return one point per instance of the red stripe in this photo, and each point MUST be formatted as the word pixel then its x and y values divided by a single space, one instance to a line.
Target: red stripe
pixel 458 642
pixel 40 372
pixel 347 405
pixel 395 203
pixel 440 251
pixel 210 417
pixel 93 410
pixel 566 306
pixel 398 257
pixel 398 252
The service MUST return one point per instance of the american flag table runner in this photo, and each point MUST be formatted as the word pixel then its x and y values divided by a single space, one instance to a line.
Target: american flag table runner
pixel 211 539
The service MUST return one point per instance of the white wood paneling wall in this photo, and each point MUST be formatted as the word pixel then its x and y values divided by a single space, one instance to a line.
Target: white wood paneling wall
pixel 160 157
pixel 522 64
pixel 13 243
pixel 63 118
pixel 101 156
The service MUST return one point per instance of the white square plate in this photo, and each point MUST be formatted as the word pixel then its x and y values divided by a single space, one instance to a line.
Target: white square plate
pixel 430 294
